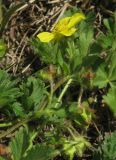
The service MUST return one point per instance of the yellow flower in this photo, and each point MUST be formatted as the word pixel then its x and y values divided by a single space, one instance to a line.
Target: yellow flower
pixel 65 27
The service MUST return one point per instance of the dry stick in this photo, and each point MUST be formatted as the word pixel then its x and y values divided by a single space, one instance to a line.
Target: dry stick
pixel 54 1
pixel 5 133
pixel 44 19
pixel 26 68
pixel 25 5
pixel 16 126
pixel 22 40
pixel 59 11
pixel 97 129
pixel 61 14
pixel 10 66
pixel 107 11
pixel 37 31
pixel 19 59
pixel 80 97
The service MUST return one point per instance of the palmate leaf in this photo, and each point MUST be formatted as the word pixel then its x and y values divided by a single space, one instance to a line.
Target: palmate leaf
pixel 46 51
pixel 85 40
pixel 110 99
pixel 34 90
pixel 19 144
pixel 106 74
pixel 22 147
pixel 109 40
pixel 75 58
pixel 18 109
pixel 112 69
pixel 41 152
pixel 8 92
pixel 101 78
pixel 107 148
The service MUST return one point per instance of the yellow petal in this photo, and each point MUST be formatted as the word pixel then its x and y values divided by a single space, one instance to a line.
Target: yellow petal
pixel 45 36
pixel 62 24
pixel 68 32
pixel 75 19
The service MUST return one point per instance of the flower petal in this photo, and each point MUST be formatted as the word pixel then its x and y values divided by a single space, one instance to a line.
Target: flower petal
pixel 75 19
pixel 62 24
pixel 68 32
pixel 45 36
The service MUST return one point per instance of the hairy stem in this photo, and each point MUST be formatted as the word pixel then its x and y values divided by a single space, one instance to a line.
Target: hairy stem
pixel 63 92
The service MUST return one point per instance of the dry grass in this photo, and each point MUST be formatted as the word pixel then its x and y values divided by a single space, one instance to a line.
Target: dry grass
pixel 32 18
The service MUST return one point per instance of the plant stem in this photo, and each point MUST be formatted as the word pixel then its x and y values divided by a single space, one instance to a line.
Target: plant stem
pixel 60 82
pixel 36 115
pixel 80 97
pixel 5 133
pixel 51 90
pixel 6 124
pixel 63 92
pixel 71 132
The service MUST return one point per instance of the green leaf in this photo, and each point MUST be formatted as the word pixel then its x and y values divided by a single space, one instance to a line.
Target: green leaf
pixel 75 58
pixel 76 146
pixel 85 40
pixel 46 51
pixel 18 109
pixel 107 148
pixel 106 73
pixel 8 92
pixel 106 41
pixel 60 60
pixel 41 152
pixel 110 99
pixel 101 78
pixel 34 90
pixel 110 24
pixel 19 144
pixel 38 90
pixel 112 67
pixel 107 25
pixel 71 11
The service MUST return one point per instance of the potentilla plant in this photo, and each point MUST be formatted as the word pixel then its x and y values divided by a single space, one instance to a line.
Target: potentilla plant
pixel 60 50
pixel 60 98
pixel 74 61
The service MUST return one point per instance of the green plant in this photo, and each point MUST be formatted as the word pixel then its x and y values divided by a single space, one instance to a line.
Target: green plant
pixel 107 148
pixel 22 147
pixel 9 92
pixel 80 63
